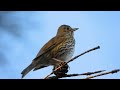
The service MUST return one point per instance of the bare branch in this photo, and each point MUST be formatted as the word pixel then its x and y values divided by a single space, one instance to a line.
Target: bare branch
pixel 72 75
pixel 110 72
pixel 98 47
pixel 90 73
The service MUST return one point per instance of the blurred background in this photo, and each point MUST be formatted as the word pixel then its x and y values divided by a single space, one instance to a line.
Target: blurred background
pixel 23 33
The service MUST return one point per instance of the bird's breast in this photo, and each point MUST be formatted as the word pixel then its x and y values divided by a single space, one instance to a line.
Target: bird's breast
pixel 65 50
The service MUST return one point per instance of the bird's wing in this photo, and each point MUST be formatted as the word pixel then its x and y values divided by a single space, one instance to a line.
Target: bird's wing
pixel 50 45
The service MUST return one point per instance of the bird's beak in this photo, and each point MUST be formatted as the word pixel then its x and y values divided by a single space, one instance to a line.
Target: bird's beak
pixel 74 29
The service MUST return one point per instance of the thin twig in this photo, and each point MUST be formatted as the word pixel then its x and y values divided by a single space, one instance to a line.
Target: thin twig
pixel 90 73
pixel 110 72
pixel 72 75
pixel 98 47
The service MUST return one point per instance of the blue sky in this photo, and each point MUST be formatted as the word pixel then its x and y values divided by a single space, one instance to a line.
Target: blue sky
pixel 33 29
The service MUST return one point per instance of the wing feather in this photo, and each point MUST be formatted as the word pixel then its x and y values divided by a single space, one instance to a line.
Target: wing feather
pixel 50 45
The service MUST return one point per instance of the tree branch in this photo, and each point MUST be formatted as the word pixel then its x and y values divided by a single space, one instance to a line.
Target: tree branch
pixel 98 47
pixel 110 72
pixel 72 75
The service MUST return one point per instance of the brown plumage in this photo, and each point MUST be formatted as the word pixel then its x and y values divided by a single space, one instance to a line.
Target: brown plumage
pixel 60 47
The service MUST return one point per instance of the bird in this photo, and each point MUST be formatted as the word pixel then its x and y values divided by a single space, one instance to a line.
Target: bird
pixel 60 47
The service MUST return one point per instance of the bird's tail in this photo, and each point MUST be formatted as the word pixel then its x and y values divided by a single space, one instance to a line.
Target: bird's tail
pixel 27 70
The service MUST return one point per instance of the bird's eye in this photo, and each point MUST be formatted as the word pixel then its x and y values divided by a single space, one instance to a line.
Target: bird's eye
pixel 67 28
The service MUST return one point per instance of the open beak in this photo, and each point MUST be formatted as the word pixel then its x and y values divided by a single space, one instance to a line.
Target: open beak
pixel 74 29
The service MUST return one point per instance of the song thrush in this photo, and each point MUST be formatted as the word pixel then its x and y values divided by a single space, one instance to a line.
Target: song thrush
pixel 60 47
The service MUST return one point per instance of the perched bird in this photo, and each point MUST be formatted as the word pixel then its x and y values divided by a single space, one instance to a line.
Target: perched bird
pixel 60 47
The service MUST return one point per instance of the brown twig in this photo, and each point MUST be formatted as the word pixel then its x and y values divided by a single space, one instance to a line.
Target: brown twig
pixel 72 75
pixel 110 72
pixel 98 47
pixel 90 73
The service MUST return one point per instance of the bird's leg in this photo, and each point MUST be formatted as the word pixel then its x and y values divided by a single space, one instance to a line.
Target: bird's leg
pixel 58 61
pixel 63 70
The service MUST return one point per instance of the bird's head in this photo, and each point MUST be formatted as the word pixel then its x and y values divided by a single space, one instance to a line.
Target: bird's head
pixel 66 29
